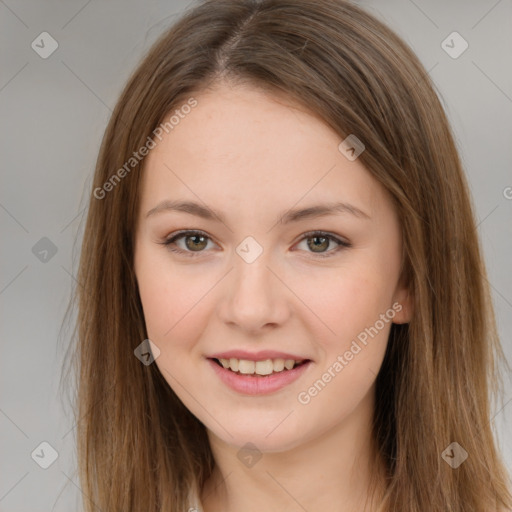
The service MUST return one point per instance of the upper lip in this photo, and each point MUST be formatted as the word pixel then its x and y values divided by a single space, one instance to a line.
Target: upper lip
pixel 256 356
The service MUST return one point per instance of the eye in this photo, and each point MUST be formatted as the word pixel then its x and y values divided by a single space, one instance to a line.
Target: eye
pixel 319 241
pixel 196 241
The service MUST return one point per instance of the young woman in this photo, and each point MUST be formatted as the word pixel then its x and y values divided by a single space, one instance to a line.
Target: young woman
pixel 282 301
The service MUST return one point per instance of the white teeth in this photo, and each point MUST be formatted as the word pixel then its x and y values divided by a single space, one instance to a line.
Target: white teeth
pixel 245 366
pixel 278 365
pixel 289 364
pixel 233 363
pixel 265 367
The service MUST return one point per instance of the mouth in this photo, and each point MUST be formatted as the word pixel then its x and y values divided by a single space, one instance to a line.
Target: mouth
pixel 262 368
pixel 260 376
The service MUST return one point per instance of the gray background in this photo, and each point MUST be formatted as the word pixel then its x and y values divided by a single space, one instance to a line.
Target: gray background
pixel 54 112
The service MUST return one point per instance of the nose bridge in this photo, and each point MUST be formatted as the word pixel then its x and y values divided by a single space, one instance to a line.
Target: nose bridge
pixel 255 297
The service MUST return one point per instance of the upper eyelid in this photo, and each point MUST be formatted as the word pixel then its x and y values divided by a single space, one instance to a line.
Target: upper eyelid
pixel 188 232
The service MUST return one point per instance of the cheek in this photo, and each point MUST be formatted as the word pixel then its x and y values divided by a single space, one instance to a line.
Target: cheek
pixel 172 312
pixel 356 307
pixel 345 301
pixel 171 299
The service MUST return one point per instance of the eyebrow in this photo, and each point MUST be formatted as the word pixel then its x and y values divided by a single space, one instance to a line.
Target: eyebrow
pixel 294 215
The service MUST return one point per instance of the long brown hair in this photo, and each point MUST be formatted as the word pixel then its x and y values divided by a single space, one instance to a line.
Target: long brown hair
pixel 139 448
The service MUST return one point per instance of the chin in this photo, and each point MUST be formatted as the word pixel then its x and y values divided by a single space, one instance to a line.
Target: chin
pixel 269 439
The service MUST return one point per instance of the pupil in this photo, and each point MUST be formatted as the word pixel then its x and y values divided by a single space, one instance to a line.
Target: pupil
pixel 194 244
pixel 315 245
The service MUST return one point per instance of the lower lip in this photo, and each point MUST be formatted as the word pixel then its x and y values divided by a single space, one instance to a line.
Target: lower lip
pixel 258 385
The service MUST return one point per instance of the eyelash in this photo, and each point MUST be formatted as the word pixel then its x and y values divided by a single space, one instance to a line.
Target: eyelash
pixel 312 234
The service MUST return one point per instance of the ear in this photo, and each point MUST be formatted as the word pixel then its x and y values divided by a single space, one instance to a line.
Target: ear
pixel 404 301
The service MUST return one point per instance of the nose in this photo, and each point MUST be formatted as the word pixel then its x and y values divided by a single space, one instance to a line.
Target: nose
pixel 254 299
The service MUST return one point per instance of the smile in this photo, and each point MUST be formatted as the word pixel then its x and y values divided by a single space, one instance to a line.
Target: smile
pixel 260 377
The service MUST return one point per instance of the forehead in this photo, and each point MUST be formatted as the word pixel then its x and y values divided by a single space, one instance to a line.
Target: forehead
pixel 247 146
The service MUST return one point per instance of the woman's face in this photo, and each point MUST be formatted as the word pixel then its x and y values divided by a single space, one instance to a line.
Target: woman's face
pixel 257 289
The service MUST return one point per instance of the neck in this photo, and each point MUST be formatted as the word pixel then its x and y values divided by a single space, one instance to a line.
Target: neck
pixel 334 468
